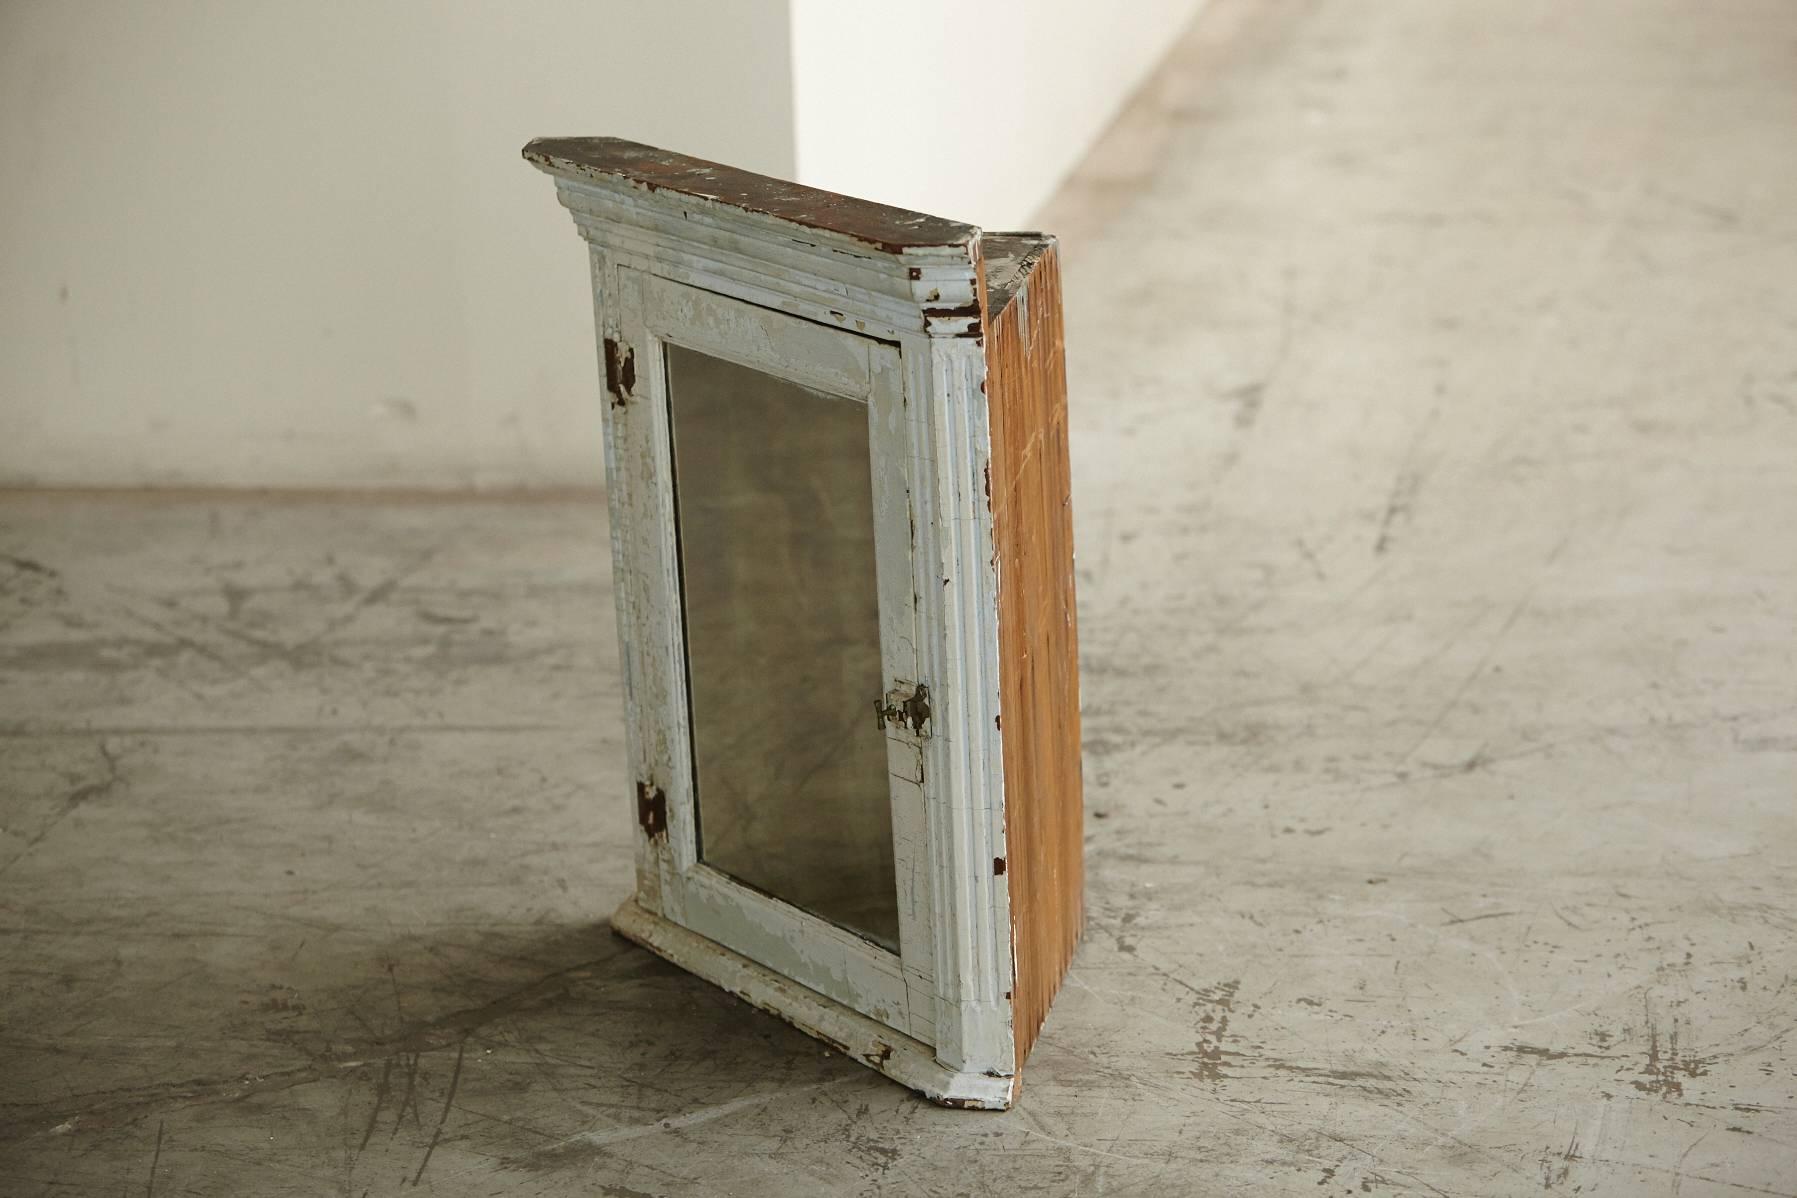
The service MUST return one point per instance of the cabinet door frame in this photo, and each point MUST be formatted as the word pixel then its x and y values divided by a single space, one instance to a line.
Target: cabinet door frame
pixel 924 294
pixel 654 313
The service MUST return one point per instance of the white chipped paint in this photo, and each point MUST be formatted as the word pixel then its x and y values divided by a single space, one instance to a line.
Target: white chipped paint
pixel 902 1058
pixel 666 268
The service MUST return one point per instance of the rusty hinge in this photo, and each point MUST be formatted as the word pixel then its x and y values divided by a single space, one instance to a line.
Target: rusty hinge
pixel 620 371
pixel 652 810
pixel 906 706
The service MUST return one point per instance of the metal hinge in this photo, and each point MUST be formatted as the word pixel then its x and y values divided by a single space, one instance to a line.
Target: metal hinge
pixel 907 707
pixel 620 371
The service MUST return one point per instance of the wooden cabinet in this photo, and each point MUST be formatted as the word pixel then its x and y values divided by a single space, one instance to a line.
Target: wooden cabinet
pixel 836 458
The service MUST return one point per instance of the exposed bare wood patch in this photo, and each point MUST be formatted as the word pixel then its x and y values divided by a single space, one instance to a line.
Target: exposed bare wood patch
pixel 1030 489
pixel 880 226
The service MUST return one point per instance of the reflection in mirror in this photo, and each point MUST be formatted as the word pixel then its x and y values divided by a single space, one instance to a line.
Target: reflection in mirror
pixel 774 510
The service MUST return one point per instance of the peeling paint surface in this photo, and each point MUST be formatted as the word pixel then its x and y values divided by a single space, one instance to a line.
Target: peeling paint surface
pixel 707 270
pixel 878 226
pixel 1440 735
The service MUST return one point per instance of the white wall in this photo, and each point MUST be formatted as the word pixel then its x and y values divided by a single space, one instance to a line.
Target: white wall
pixel 969 111
pixel 250 243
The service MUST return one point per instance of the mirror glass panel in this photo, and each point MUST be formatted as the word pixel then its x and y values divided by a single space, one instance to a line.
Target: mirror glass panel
pixel 774 511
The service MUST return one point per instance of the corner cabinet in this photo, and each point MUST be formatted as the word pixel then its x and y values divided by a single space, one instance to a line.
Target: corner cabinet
pixel 837 468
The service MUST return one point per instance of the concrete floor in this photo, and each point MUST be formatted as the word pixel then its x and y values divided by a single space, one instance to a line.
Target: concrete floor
pixel 1434 376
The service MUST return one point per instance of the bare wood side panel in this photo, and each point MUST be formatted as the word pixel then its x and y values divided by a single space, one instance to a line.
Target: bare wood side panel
pixel 1031 490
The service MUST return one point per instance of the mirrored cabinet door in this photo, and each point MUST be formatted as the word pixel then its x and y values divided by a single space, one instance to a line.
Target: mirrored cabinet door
pixel 773 501
pixel 788 615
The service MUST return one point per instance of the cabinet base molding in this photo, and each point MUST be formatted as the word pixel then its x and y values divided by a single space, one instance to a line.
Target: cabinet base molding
pixel 906 1061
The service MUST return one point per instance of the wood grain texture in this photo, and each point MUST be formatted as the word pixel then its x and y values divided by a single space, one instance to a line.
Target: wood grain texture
pixel 879 226
pixel 1032 514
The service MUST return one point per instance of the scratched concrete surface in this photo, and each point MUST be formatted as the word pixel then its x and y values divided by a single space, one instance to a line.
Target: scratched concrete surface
pixel 1434 377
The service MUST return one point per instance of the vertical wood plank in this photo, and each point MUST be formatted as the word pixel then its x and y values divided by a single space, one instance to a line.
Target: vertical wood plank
pixel 1031 496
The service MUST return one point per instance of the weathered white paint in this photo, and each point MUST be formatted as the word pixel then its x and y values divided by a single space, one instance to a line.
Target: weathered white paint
pixel 966 760
pixel 652 313
pixel 668 266
pixel 1441 705
pixel 902 1058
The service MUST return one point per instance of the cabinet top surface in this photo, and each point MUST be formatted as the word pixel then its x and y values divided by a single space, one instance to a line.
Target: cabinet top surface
pixel 1008 259
pixel 892 230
